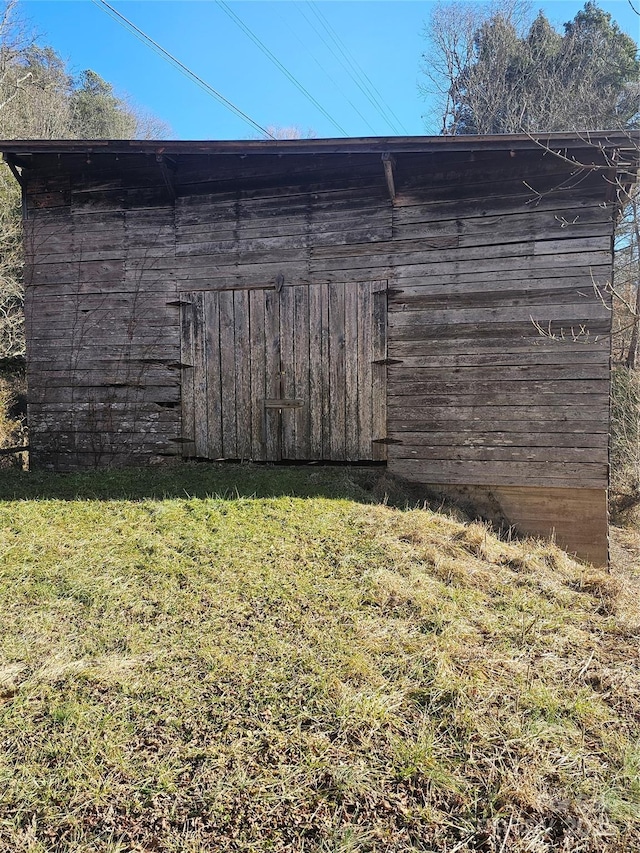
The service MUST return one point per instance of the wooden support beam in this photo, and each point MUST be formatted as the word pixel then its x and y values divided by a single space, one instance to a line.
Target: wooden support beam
pixel 7 451
pixel 389 161
pixel 10 160
pixel 167 175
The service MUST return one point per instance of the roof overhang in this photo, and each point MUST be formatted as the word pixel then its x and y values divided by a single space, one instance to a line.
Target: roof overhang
pixel 597 141
pixel 615 154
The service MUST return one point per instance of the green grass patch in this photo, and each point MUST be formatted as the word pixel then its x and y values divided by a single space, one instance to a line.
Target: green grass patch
pixel 256 659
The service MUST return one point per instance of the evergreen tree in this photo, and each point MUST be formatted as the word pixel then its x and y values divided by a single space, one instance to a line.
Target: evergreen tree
pixel 498 74
pixel 96 113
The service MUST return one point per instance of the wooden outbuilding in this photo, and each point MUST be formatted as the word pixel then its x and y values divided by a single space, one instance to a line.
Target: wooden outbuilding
pixel 441 304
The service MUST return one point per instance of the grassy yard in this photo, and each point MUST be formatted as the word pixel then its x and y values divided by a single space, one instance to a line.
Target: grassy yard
pixel 244 659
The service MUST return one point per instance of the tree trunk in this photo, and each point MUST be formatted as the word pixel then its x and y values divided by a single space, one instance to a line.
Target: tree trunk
pixel 632 353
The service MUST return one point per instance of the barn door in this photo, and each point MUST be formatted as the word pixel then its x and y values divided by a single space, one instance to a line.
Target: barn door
pixel 295 374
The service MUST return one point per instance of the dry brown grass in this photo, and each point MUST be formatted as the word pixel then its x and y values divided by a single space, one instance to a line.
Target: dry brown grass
pixel 625 571
pixel 305 675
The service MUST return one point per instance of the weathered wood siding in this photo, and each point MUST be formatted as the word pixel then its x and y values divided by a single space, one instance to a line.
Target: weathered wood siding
pixel 500 326
pixel 498 317
pixel 319 333
pixel 103 339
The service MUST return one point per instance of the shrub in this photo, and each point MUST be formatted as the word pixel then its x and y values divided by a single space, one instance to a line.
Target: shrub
pixel 12 416
pixel 625 433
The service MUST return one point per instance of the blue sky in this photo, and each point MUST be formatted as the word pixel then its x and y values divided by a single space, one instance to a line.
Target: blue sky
pixel 384 38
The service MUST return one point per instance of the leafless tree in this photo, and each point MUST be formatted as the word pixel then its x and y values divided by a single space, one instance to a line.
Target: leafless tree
pixel 451 36
pixel 13 82
pixel 291 131
pixel 12 43
pixel 39 99
pixel 11 293
pixel 626 284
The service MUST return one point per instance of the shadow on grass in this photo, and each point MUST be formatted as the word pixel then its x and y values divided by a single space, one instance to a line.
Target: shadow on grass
pixel 206 480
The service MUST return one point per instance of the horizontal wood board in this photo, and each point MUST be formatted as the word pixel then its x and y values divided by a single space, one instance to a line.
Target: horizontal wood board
pixel 103 353
pixel 576 518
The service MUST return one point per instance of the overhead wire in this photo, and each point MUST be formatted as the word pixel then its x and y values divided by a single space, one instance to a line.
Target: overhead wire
pixel 364 83
pixel 176 63
pixel 325 72
pixel 373 93
pixel 274 59
pixel 345 64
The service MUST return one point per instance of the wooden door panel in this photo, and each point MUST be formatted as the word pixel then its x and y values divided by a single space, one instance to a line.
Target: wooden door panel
pixel 318 378
pixel 228 405
pixel 336 450
pixel 213 376
pixel 200 386
pixel 257 331
pixel 320 349
pixel 287 372
pixel 271 433
pixel 302 373
pixel 244 394
pixel 352 387
pixel 187 383
pixel 365 373
pixel 379 370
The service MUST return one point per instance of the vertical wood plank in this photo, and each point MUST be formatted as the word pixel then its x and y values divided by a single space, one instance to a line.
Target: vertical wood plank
pixel 351 370
pixel 228 379
pixel 301 356
pixel 365 373
pixel 288 333
pixel 258 387
pixel 337 396
pixel 187 376
pixel 379 384
pixel 200 376
pixel 214 390
pixel 242 373
pixel 325 371
pixel 316 305
pixel 272 369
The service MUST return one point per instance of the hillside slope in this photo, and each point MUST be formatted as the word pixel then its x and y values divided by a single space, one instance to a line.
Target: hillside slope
pixel 246 659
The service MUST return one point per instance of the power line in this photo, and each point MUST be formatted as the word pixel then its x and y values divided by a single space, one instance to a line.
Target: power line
pixel 374 93
pixel 169 57
pixel 325 72
pixel 359 69
pixel 274 59
pixel 341 61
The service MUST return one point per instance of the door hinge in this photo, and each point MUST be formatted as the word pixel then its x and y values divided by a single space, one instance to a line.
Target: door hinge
pixel 387 361
pixel 386 440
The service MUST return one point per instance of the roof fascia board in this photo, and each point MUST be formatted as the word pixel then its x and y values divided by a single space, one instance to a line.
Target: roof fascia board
pixel 372 145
